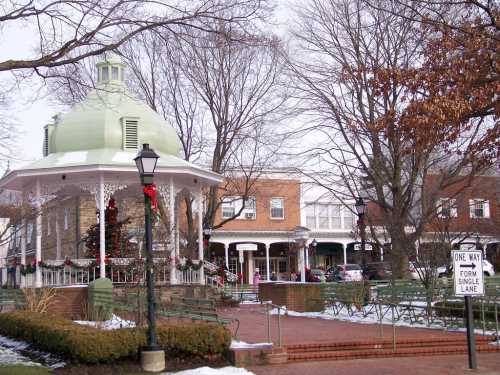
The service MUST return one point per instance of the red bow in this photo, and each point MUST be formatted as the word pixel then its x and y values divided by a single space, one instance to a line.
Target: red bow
pixel 150 191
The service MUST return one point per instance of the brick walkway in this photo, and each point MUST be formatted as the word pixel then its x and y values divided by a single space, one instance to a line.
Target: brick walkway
pixel 298 330
pixel 488 364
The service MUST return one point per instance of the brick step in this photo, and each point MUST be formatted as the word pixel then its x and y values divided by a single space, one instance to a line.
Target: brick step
pixel 386 353
pixel 382 343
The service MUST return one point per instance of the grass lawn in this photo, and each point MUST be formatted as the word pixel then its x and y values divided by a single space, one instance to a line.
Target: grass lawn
pixel 23 370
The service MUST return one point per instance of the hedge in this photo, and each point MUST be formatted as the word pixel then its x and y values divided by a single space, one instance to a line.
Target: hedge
pixel 91 345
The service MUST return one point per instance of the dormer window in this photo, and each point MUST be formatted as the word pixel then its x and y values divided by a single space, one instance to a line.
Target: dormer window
pixel 114 73
pixel 105 73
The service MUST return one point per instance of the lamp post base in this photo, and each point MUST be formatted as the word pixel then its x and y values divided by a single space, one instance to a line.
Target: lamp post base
pixel 152 360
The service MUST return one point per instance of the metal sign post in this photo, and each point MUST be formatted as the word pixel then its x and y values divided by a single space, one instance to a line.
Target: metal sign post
pixel 468 281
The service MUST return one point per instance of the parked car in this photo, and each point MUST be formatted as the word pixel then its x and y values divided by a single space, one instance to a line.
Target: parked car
pixel 488 270
pixel 377 271
pixel 317 276
pixel 345 272
pixel 417 270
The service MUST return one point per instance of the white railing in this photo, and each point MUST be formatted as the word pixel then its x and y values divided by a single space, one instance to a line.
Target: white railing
pixel 116 270
pixel 188 277
pixel 231 277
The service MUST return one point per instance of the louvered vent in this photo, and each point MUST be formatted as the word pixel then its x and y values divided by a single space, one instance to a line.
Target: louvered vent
pixel 46 141
pixel 130 135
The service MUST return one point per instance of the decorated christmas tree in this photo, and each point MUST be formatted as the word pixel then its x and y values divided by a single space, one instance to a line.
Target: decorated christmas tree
pixel 117 243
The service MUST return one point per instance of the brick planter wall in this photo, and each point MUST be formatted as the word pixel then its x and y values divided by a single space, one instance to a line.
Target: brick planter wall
pixel 70 303
pixel 301 297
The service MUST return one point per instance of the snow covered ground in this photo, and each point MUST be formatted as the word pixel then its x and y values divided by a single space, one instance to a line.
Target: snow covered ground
pixel 114 323
pixel 13 352
pixel 371 318
pixel 235 344
pixel 212 371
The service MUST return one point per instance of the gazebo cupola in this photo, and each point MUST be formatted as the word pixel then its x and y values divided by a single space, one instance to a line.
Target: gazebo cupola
pixel 92 148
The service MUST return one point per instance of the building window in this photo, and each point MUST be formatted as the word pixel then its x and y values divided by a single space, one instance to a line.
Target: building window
pixel 228 207
pixel 66 219
pixel 29 232
pixel 328 216
pixel 17 236
pixel 277 208
pixel 447 208
pixel 232 205
pixel 349 220
pixel 105 74
pixel 130 133
pixel 114 73
pixel 335 214
pixel 310 216
pixel 479 209
pixel 322 216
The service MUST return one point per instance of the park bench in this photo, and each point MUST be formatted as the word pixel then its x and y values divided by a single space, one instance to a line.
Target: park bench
pixel 348 296
pixel 195 309
pixel 242 293
pixel 11 298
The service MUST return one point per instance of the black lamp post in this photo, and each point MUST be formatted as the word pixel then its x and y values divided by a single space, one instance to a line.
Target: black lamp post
pixel 150 355
pixel 361 210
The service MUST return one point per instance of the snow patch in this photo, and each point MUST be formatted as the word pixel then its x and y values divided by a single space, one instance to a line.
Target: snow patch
pixel 371 318
pixel 235 344
pixel 13 352
pixel 114 323
pixel 212 371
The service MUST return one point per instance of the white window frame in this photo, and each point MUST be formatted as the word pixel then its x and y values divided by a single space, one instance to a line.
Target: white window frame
pixel 249 212
pixel 485 207
pixel 280 199
pixel 332 208
pixel 312 206
pixel 228 202
pixel 452 205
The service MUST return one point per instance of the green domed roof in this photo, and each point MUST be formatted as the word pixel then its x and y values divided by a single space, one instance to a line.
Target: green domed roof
pixel 100 120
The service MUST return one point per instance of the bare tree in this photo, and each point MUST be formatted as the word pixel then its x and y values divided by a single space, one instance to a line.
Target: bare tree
pixel 71 30
pixel 363 148
pixel 221 91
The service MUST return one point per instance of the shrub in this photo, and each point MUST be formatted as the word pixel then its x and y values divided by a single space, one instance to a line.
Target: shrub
pixel 90 345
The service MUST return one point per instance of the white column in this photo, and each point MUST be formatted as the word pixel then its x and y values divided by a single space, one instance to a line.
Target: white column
pixel 226 254
pixel 58 235
pixel 38 243
pixel 302 265
pixel 102 229
pixel 307 255
pixel 344 248
pixel 171 206
pixel 381 253
pixel 251 268
pixel 23 250
pixel 268 268
pixel 200 234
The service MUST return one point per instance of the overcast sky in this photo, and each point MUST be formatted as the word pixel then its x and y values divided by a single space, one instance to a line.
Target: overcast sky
pixel 33 109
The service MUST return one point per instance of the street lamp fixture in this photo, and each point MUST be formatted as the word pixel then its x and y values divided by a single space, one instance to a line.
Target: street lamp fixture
pixel 314 245
pixel 478 241
pixel 360 206
pixel 146 163
pixel 152 357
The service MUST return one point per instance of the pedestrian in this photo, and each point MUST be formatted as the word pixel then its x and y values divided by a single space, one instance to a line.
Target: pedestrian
pixel 256 277
pixel 274 277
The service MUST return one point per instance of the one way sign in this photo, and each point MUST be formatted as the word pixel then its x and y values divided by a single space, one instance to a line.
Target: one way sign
pixel 468 272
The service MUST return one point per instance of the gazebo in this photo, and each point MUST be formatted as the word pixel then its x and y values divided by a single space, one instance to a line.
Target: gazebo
pixel 91 149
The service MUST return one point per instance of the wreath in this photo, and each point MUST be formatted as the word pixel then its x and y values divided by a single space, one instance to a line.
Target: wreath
pixel 189 264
